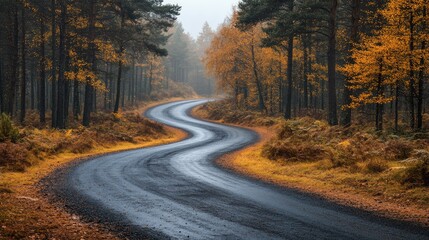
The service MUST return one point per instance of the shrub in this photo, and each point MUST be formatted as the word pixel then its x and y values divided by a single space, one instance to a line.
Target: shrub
pixel 82 142
pixel 293 152
pixel 417 173
pixel 8 132
pixel 398 149
pixel 342 161
pixel 376 165
pixel 13 156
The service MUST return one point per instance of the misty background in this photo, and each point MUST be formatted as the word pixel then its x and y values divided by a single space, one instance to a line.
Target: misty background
pixel 191 36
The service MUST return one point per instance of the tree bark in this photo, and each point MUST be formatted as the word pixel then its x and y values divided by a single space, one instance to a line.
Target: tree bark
pixel 379 106
pixel 305 83
pixel 396 107
pixel 257 80
pixel 150 80
pixel 92 60
pixel 32 86
pixel 111 87
pixel 287 92
pixel 118 82
pixel 76 101
pixel 354 35
pixel 23 67
pixel 121 52
pixel 67 86
pixel 332 93
pixel 420 96
pixel 61 122
pixel 9 59
pixel 42 86
pixel 412 80
pixel 54 65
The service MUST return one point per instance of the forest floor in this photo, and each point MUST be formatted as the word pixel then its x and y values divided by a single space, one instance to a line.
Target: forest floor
pixel 25 210
pixel 351 167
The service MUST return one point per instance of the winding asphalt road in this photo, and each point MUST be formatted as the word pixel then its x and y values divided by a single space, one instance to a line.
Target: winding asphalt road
pixel 176 191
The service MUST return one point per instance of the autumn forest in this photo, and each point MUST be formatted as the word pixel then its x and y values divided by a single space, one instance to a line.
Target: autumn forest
pixel 68 59
pixel 341 59
pixel 348 60
pixel 214 119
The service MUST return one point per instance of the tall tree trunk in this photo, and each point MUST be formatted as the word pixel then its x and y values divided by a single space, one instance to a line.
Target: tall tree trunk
pixel 94 101
pixel 280 86
pixel 106 83
pixel 121 52
pixel 54 65
pixel 118 82
pixel 322 96
pixel 11 63
pixel 42 85
pixel 379 117
pixel 87 108
pixel 76 101
pixel 396 107
pixel 23 67
pixel 420 95
pixel 246 96
pixel 412 80
pixel 32 86
pixel 288 89
pixel 131 80
pixel 14 61
pixel 67 86
pixel 380 93
pixel 112 89
pixel 354 35
pixel 305 83
pixel 332 93
pixel 61 122
pixel 287 93
pixel 1 78
pixel 257 80
pixel 310 70
pixel 135 82
pixel 123 92
pixel 1 82
pixel 150 80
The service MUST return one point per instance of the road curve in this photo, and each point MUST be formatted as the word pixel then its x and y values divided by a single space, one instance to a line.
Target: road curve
pixel 176 191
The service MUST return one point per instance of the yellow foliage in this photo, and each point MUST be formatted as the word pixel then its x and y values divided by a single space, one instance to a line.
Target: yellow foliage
pixel 68 133
pixel 344 144
pixel 385 60
pixel 118 116
pixel 229 60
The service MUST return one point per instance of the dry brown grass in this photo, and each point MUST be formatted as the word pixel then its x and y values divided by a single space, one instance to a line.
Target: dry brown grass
pixel 13 156
pixel 223 112
pixel 25 212
pixel 107 130
pixel 354 166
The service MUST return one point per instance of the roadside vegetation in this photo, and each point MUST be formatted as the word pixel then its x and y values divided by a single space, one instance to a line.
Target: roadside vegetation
pixel 338 90
pixel 356 165
pixel 75 77
pixel 21 148
pixel 30 153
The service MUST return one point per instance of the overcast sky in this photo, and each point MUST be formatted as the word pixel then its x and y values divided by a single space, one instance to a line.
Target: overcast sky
pixel 195 12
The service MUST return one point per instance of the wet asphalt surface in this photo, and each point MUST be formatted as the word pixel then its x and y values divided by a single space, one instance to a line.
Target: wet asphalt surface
pixel 176 191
